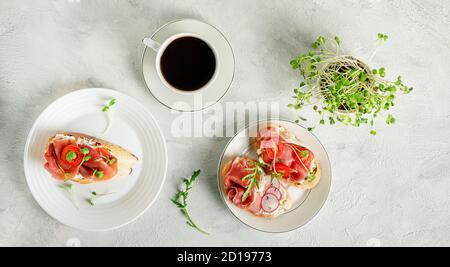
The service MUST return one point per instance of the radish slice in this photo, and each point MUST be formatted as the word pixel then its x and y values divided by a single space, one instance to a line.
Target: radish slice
pixel 275 191
pixel 269 203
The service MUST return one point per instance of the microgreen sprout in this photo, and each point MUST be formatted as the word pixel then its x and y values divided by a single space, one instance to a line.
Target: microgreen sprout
pixel 105 109
pixel 274 176
pixel 95 196
pixel 85 151
pixel 111 103
pixel 311 175
pixel 71 156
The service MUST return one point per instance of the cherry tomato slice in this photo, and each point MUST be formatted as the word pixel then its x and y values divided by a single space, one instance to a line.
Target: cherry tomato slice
pixel 76 159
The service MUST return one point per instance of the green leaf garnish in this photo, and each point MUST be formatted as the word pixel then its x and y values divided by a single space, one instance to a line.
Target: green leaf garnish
pixel 84 151
pixel 337 40
pixel 71 156
pixel 98 174
pixel 181 197
pixel 304 154
pixel 311 175
pixel 382 37
pixel 390 119
pixel 111 103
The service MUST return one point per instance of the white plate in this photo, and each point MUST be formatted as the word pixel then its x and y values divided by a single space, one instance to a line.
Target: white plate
pixel 133 128
pixel 307 203
pixel 216 89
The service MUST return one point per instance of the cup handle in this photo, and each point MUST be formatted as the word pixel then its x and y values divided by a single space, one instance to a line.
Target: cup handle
pixel 151 44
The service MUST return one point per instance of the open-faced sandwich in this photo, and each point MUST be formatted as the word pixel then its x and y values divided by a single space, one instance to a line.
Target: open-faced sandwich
pixel 85 159
pixel 261 186
pixel 283 154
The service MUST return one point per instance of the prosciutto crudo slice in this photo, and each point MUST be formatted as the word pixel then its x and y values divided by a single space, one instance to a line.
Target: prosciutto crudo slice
pixel 85 159
pixel 285 155
pixel 235 187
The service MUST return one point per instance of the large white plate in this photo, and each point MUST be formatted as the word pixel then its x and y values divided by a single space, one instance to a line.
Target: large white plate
pixel 215 90
pixel 307 203
pixel 133 128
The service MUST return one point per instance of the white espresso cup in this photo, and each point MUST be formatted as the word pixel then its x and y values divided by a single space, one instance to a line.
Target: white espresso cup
pixel 160 48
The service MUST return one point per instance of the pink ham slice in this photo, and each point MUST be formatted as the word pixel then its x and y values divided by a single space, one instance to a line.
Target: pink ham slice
pixel 235 187
pixel 291 156
pixel 51 166
pixel 99 162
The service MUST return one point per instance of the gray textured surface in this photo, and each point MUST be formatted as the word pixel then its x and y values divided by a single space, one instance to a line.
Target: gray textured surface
pixel 393 188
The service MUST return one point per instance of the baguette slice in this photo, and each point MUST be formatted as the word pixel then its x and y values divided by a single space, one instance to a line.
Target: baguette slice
pixel 125 159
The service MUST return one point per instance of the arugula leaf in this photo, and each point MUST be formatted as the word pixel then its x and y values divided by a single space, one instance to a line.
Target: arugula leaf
pixel 181 197
pixel 253 179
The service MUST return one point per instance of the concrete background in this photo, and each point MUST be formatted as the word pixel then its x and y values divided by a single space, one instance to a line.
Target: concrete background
pixel 392 189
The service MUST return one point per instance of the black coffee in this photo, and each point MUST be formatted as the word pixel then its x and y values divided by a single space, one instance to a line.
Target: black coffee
pixel 188 63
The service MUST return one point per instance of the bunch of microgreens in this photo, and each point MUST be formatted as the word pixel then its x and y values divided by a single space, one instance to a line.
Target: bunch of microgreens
pixel 180 200
pixel 352 93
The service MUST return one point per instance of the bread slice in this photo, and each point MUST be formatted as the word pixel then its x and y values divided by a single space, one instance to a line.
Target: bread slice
pixel 125 159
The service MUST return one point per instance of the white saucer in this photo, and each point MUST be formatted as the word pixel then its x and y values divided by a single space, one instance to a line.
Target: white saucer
pixel 218 87
pixel 306 203
pixel 133 128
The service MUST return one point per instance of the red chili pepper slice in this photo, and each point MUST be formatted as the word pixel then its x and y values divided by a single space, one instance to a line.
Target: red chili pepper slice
pixel 71 155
